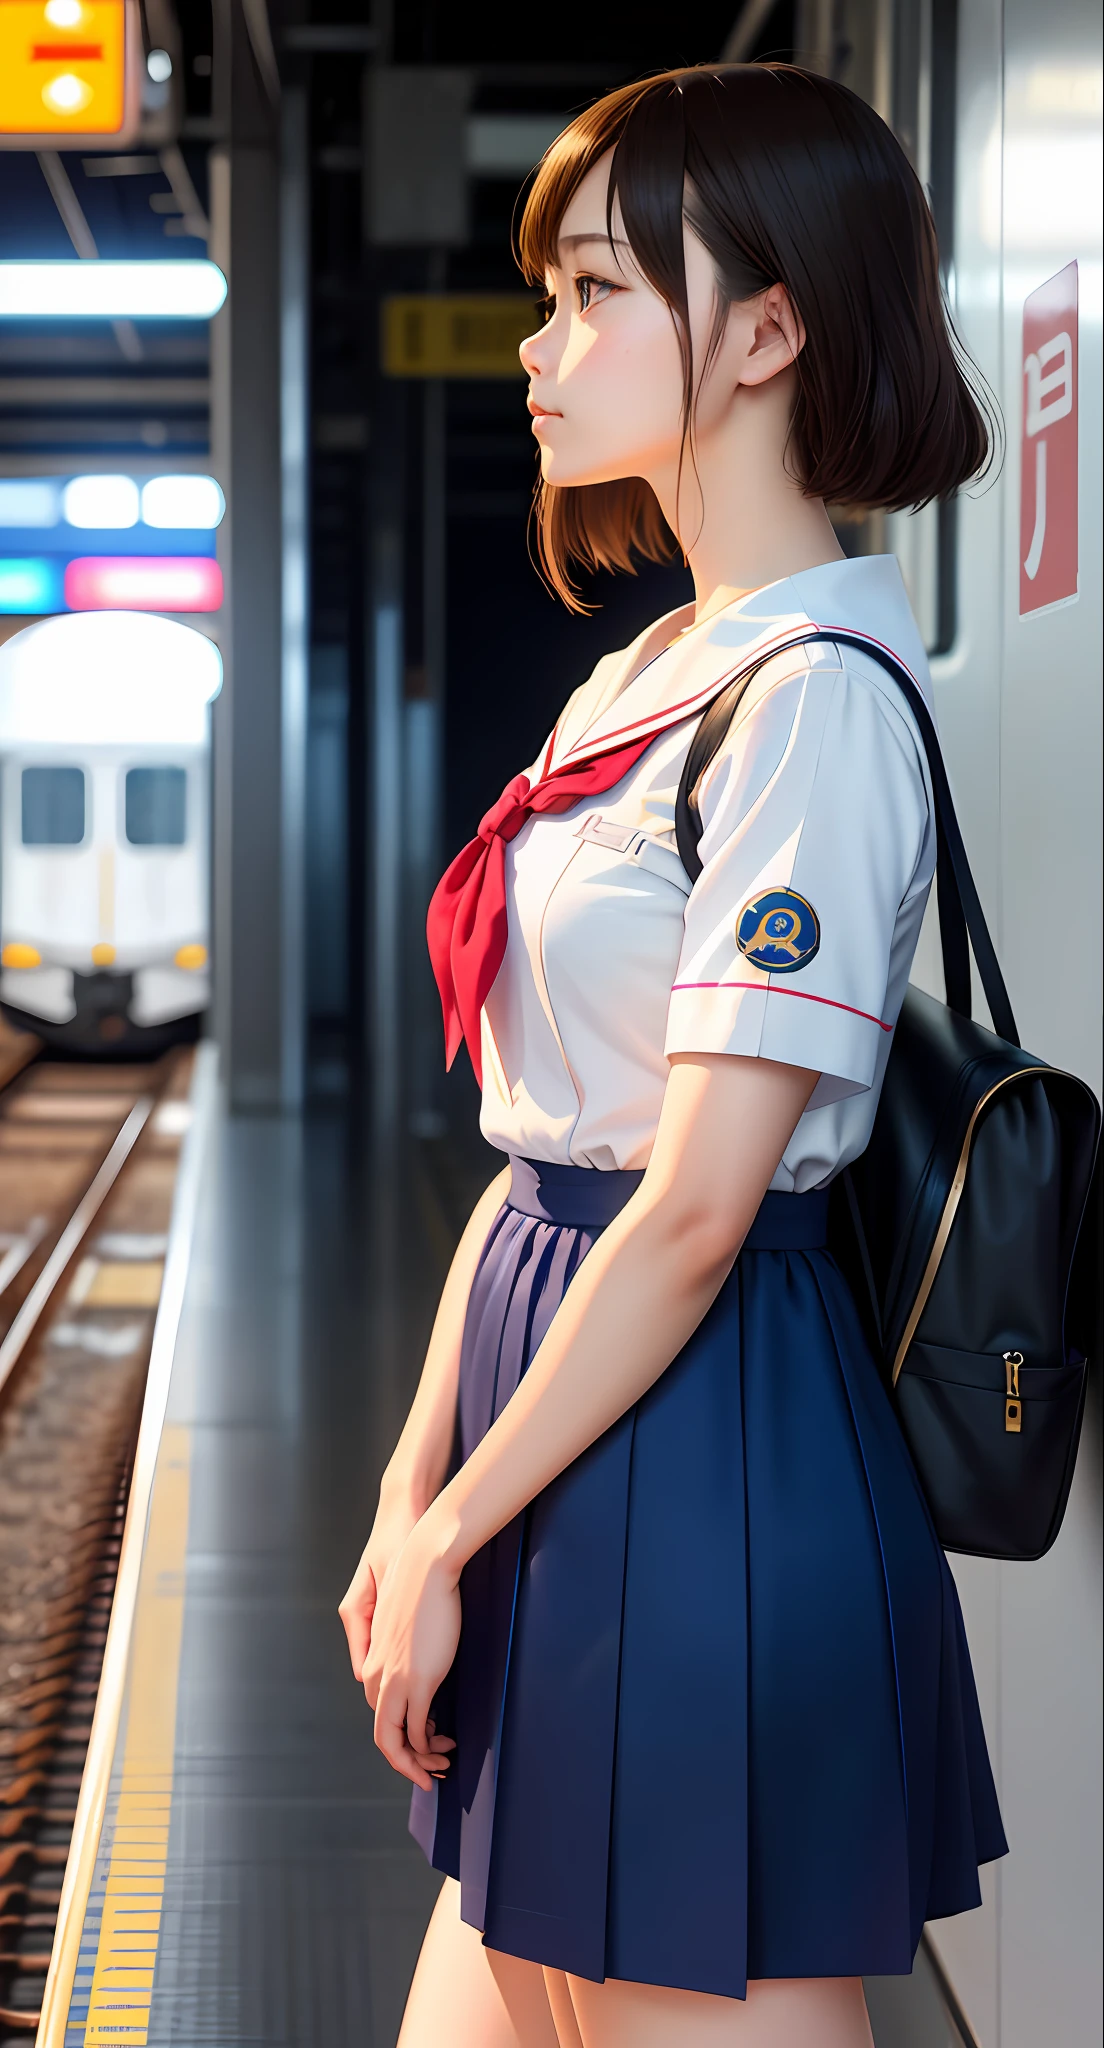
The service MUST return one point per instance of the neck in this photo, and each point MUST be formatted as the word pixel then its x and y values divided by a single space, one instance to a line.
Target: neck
pixel 742 519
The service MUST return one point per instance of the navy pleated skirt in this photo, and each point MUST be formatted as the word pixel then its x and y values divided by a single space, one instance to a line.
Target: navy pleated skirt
pixel 713 1704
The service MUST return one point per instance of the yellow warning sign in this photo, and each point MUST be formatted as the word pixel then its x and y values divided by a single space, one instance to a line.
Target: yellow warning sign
pixel 447 334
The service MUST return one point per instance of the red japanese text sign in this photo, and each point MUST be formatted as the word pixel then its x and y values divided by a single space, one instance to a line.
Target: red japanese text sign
pixel 1048 451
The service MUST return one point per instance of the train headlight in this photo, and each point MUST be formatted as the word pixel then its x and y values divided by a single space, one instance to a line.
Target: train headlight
pixel 103 956
pixel 190 956
pixel 16 955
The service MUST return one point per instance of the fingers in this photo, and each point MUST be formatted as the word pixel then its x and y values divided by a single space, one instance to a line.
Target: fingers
pixel 417 1714
pixel 424 1761
pixel 435 1758
pixel 371 1677
pixel 391 1738
pixel 356 1612
pixel 358 1635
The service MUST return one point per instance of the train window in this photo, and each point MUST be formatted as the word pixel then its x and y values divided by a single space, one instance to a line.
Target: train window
pixel 53 806
pixel 155 803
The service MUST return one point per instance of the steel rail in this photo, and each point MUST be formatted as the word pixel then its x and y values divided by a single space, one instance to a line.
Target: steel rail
pixel 17 1254
pixel 12 1348
pixel 17 1052
pixel 92 1800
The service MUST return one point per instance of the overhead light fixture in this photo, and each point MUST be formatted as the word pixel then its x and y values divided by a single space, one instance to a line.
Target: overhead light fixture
pixel 182 501
pixel 99 289
pixel 29 583
pixel 143 583
pixel 101 501
pixel 29 501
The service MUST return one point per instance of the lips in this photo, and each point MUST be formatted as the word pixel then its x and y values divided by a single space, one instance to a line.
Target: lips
pixel 541 412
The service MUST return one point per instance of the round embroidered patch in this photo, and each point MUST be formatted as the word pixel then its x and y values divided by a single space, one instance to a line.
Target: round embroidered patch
pixel 778 931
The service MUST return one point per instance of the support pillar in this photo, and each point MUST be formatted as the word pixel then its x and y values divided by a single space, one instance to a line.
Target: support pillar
pixel 257 738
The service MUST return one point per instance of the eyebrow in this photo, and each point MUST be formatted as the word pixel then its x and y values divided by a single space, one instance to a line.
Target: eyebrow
pixel 593 235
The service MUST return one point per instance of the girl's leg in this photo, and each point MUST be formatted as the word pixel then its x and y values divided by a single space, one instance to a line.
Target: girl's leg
pixel 558 1988
pixel 468 1996
pixel 794 2012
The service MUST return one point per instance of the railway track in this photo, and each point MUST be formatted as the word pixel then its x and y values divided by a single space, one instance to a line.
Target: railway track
pixel 88 1161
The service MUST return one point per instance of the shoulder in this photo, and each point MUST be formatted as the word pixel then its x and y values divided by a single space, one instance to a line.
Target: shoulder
pixel 801 694
pixel 826 733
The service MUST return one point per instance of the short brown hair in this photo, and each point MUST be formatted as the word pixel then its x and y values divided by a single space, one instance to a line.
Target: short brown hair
pixel 789 178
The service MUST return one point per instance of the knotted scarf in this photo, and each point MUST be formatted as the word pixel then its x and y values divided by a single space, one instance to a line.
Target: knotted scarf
pixel 467 925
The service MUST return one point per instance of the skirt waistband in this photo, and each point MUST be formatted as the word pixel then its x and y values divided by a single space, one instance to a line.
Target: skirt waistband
pixel 589 1197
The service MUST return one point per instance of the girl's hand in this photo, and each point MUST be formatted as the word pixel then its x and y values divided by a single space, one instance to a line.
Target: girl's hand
pixel 414 1639
pixel 395 1518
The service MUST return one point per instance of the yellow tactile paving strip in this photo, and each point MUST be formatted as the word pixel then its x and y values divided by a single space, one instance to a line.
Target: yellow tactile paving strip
pixel 117 1283
pixel 114 1980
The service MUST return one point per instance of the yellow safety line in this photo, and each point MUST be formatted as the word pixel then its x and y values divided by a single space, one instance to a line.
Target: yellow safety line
pixel 122 1980
pixel 92 1801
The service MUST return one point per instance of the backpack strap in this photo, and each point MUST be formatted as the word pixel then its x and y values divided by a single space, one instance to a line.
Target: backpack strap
pixel 961 918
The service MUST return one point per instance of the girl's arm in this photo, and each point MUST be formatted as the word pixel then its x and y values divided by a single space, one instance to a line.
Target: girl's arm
pixel 635 1301
pixel 420 1459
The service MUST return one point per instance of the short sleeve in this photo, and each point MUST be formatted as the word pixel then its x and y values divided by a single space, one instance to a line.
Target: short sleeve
pixel 815 835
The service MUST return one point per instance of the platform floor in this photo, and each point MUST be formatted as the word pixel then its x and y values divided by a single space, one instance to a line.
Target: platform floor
pixel 294 1899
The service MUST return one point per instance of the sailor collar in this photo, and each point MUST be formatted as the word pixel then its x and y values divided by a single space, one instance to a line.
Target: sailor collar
pixel 683 677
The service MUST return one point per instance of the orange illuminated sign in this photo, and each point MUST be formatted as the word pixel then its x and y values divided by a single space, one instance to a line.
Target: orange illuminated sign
pixel 62 67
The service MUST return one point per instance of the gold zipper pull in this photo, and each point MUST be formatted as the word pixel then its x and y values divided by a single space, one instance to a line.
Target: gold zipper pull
pixel 1013 1409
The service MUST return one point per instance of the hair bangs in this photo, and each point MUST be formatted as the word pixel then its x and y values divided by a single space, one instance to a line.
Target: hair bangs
pixel 559 174
pixel 786 178
pixel 612 525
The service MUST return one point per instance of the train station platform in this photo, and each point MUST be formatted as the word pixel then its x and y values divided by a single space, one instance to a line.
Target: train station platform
pixel 294 1899
pixel 252 1879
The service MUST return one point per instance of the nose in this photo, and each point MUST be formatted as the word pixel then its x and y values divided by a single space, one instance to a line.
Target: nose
pixel 534 357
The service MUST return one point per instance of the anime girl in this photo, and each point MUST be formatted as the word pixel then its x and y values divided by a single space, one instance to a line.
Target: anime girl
pixel 652 1612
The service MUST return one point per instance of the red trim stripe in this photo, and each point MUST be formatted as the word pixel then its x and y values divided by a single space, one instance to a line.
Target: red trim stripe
pixel 671 714
pixel 805 995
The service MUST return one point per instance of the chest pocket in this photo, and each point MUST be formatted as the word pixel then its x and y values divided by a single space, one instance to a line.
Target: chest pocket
pixel 644 849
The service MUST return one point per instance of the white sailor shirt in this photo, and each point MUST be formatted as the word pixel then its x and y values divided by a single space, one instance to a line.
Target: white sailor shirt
pixel 795 942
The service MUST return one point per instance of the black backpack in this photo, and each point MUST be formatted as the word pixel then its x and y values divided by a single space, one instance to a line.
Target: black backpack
pixel 967 1227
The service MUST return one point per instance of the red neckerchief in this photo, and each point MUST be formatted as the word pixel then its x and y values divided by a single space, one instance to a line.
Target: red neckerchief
pixel 466 926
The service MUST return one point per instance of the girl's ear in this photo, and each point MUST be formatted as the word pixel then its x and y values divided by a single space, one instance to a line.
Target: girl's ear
pixel 779 337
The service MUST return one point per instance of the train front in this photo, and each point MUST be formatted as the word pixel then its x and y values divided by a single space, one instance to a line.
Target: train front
pixel 104 830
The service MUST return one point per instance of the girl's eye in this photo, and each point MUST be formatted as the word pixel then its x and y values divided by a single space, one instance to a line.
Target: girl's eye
pixel 592 291
pixel 546 307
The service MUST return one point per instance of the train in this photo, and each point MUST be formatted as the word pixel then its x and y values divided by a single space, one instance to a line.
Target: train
pixel 105 830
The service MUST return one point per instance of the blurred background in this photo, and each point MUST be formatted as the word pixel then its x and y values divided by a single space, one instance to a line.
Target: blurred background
pixel 271 639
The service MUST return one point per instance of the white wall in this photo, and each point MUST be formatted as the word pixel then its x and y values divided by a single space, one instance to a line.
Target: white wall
pixel 1020 707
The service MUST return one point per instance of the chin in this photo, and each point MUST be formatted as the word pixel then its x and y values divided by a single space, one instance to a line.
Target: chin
pixel 576 475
